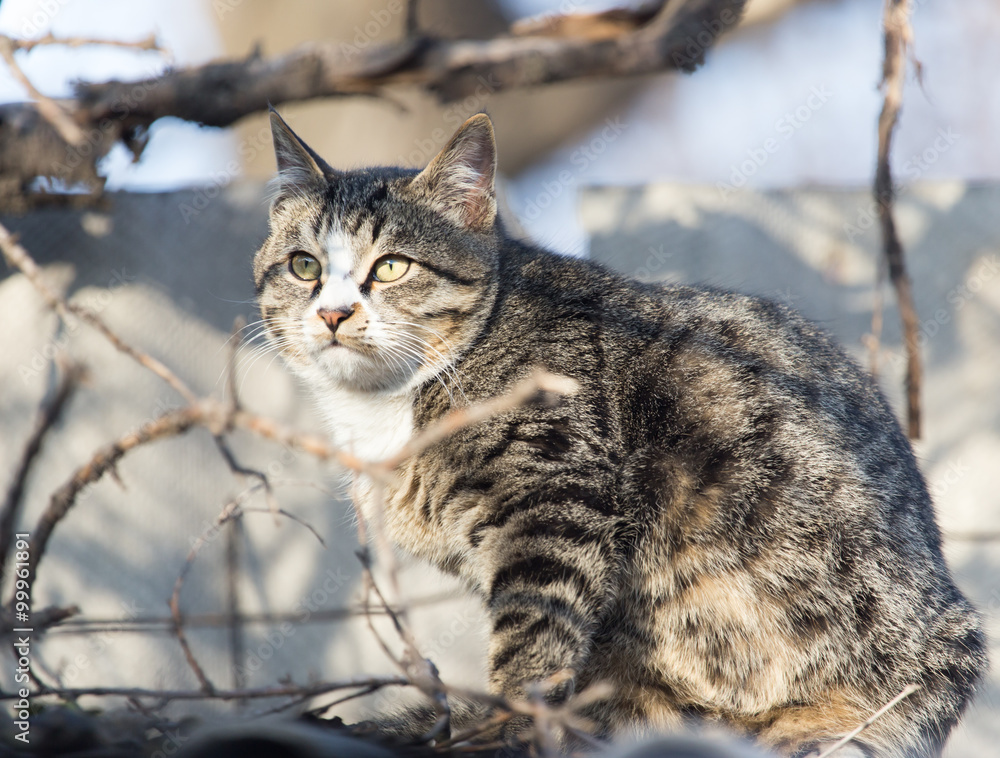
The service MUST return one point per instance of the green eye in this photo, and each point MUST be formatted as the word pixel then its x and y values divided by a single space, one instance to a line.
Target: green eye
pixel 390 268
pixel 305 267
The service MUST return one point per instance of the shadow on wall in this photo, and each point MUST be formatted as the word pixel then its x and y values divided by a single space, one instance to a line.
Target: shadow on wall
pixel 173 287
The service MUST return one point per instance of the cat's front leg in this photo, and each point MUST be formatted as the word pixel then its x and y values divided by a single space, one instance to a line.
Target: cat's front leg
pixel 549 577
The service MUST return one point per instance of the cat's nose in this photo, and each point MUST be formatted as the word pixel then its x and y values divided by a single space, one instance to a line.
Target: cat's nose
pixel 333 317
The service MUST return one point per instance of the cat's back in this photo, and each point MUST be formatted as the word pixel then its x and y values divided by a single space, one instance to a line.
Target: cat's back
pixel 750 404
pixel 780 535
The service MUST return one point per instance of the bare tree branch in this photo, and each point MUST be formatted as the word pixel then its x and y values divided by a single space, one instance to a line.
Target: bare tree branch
pixel 52 111
pixel 50 412
pixel 63 499
pixel 147 43
pixel 164 624
pixel 675 37
pixel 521 393
pixel 290 690
pixel 897 36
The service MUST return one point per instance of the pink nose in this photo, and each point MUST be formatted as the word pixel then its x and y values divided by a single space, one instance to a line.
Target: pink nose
pixel 334 317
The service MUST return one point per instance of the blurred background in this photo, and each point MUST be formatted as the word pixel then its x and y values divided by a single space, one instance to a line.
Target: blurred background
pixel 751 173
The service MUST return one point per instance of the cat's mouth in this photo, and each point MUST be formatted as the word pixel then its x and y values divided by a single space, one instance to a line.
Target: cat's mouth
pixel 331 342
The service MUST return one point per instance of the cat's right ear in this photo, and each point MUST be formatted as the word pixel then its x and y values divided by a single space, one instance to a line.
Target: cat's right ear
pixel 460 180
pixel 299 167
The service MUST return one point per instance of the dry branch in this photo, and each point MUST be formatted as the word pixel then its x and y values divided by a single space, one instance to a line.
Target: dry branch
pixel 53 112
pixel 63 499
pixel 460 418
pixel 147 43
pixel 897 37
pixel 419 670
pixel 211 414
pixel 50 412
pixel 290 690
pixel 18 257
pixel 220 418
pixel 230 514
pixel 165 624
pixel 674 37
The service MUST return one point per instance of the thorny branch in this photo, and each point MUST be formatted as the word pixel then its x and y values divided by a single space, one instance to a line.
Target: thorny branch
pixel 898 37
pixel 669 35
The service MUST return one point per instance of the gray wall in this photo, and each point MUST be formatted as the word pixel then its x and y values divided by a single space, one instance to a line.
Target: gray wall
pixel 172 280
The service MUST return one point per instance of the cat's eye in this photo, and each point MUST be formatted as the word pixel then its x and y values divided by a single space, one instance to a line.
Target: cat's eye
pixel 389 268
pixel 305 267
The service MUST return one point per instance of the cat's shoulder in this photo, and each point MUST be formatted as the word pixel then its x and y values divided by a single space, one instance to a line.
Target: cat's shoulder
pixel 563 278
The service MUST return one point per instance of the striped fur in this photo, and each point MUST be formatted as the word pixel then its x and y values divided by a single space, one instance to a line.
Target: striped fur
pixel 725 522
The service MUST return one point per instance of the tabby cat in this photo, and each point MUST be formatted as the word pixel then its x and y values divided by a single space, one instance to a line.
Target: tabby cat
pixel 724 522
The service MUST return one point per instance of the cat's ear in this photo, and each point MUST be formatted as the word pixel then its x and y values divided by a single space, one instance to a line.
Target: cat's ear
pixel 460 180
pixel 299 167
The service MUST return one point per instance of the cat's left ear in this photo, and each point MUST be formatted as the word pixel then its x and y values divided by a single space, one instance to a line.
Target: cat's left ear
pixel 299 166
pixel 460 180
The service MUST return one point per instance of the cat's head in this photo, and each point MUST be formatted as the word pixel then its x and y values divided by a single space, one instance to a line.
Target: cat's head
pixel 377 279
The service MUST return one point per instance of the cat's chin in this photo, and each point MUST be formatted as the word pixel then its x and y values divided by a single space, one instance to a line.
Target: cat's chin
pixel 340 368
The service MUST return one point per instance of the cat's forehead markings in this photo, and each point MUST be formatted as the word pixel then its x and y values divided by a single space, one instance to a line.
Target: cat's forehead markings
pixel 339 256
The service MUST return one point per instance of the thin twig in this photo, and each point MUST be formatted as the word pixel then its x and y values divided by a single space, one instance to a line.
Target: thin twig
pixel 237 468
pixel 48 414
pixel 321 709
pixel 420 671
pixel 231 512
pixel 288 690
pixel 148 43
pixel 235 342
pixel 147 624
pixel 460 418
pixel 169 425
pixel 237 646
pixel 208 413
pixel 907 691
pixel 492 723
pixel 51 110
pixel 291 517
pixel 18 257
pixel 897 37
pixel 311 444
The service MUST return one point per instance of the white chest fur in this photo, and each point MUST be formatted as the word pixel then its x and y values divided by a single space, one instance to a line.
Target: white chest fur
pixel 372 427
